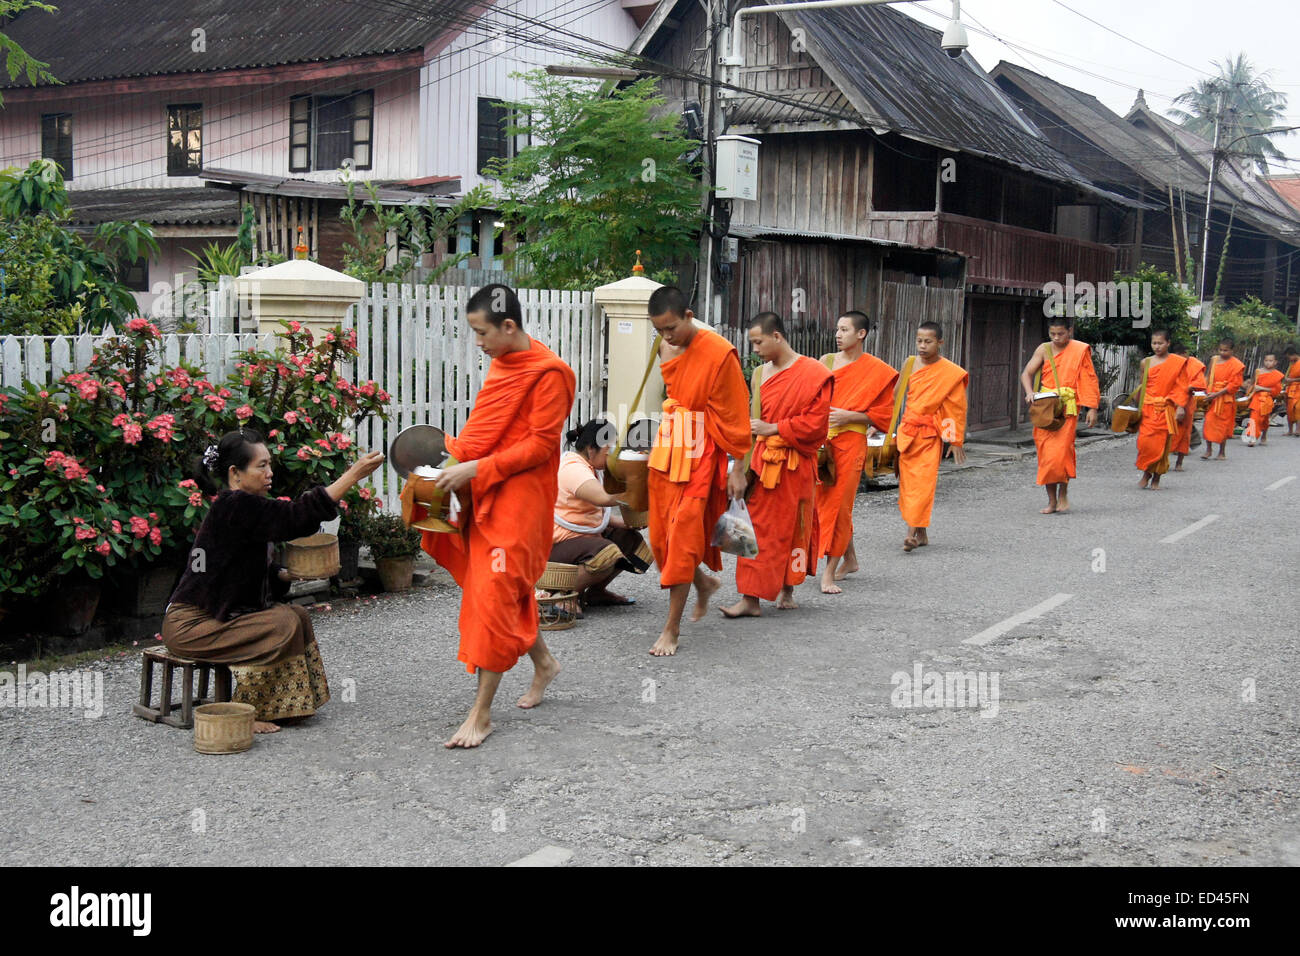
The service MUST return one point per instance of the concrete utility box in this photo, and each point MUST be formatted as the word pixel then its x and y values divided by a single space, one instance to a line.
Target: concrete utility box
pixel 737 167
pixel 298 290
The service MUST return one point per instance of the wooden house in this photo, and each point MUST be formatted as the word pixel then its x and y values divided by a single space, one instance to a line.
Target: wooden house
pixel 897 180
pixel 1165 169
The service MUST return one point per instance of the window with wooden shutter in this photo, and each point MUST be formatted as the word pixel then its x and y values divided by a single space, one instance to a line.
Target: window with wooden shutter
pixel 491 132
pixel 56 140
pixel 327 131
pixel 184 139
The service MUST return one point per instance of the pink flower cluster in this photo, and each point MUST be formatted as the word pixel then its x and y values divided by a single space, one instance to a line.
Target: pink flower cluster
pixel 145 326
pixel 72 469
pixel 162 427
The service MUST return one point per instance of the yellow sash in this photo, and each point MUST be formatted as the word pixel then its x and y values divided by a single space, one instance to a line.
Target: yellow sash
pixel 674 447
pixel 1067 395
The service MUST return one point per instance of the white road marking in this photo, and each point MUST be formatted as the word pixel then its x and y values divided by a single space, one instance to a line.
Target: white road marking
pixel 1194 526
pixel 997 630
pixel 1279 483
pixel 546 856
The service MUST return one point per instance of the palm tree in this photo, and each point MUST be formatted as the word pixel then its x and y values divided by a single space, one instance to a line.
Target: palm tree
pixel 1250 106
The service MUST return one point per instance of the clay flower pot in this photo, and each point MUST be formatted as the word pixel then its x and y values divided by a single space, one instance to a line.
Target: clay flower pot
pixel 396 574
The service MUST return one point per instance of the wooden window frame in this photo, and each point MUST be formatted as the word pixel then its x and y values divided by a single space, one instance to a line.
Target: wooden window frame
pixel 173 112
pixel 55 152
pixel 304 125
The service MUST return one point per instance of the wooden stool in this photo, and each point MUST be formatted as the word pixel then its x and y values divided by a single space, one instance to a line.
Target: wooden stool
pixel 163 713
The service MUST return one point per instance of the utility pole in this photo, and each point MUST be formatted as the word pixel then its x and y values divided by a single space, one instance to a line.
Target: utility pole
pixel 1205 237
pixel 715 123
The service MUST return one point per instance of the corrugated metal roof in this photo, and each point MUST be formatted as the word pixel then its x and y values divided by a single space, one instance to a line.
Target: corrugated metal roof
pixel 106 39
pixel 895 74
pixel 159 207
pixel 1288 187
pixel 763 232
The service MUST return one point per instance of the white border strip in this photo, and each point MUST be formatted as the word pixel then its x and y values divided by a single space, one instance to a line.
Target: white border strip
pixel 1194 526
pixel 1280 482
pixel 546 856
pixel 997 630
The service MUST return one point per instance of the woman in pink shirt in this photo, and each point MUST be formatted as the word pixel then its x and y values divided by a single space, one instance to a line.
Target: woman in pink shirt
pixel 588 529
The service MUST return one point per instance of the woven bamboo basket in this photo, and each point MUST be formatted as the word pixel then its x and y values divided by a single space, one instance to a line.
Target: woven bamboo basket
pixel 313 557
pixel 558 611
pixel 558 577
pixel 1201 401
pixel 223 728
pixel 634 469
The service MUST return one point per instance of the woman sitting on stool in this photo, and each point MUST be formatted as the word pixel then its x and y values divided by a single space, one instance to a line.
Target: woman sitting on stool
pixel 588 532
pixel 222 612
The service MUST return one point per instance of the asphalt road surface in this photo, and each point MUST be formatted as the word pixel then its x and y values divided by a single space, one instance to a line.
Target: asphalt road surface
pixel 1133 701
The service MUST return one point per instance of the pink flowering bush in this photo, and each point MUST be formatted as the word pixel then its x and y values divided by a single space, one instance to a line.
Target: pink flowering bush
pixel 95 468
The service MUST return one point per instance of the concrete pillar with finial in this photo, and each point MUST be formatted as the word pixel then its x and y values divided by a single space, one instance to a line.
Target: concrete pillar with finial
pixel 628 331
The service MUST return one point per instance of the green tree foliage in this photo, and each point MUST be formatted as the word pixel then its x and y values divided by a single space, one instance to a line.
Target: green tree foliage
pixel 215 260
pixel 1252 323
pixel 1250 106
pixel 18 62
pixel 1169 305
pixel 418 228
pixel 55 281
pixel 604 177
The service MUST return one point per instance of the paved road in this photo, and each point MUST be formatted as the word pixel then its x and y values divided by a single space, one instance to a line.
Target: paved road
pixel 1149 715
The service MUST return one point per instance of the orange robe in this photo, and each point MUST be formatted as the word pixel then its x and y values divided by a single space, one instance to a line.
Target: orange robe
pixel 865 385
pixel 1261 403
pixel 1221 416
pixel 1293 394
pixel 1195 380
pixel 514 433
pixel 1167 391
pixel 934 412
pixel 706 418
pixel 783 502
pixel 1056 454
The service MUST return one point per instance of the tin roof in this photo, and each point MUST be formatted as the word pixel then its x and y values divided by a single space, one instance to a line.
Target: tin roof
pixel 190 206
pixel 107 39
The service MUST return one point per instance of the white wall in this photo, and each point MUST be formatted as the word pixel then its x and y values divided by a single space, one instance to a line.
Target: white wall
pixel 476 65
pixel 121 141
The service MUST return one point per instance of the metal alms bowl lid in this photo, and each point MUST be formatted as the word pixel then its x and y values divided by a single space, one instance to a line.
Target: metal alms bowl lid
pixel 416 446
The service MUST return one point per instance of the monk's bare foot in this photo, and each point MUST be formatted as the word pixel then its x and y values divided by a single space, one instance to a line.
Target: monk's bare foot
pixel 786 602
pixel 829 586
pixel 1205 457
pixel 666 646
pixel 1062 505
pixel 473 732
pixel 1049 510
pixel 1222 458
pixel 910 544
pixel 1146 480
pixel 1178 467
pixel 1155 483
pixel 542 676
pixel 702 597
pixel 265 727
pixel 848 567
pixel 745 607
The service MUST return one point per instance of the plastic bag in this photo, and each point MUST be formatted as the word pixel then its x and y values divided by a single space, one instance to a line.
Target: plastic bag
pixel 734 532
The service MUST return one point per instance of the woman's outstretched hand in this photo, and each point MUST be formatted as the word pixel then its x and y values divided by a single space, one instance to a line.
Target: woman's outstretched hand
pixel 366 465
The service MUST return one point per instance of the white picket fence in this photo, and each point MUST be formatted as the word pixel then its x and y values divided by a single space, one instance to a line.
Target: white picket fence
pixel 411 340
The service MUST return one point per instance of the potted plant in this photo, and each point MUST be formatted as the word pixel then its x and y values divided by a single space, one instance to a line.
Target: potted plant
pixel 358 506
pixel 393 546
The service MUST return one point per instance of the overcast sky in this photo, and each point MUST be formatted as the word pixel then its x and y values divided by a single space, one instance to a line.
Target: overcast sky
pixel 1048 38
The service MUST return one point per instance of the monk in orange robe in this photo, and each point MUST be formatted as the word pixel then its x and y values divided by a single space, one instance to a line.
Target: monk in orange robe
pixel 1224 377
pixel 1196 381
pixel 1292 384
pixel 1164 405
pixel 934 414
pixel 1078 389
pixel 508 455
pixel 705 422
pixel 1266 388
pixel 794 412
pixel 863 398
